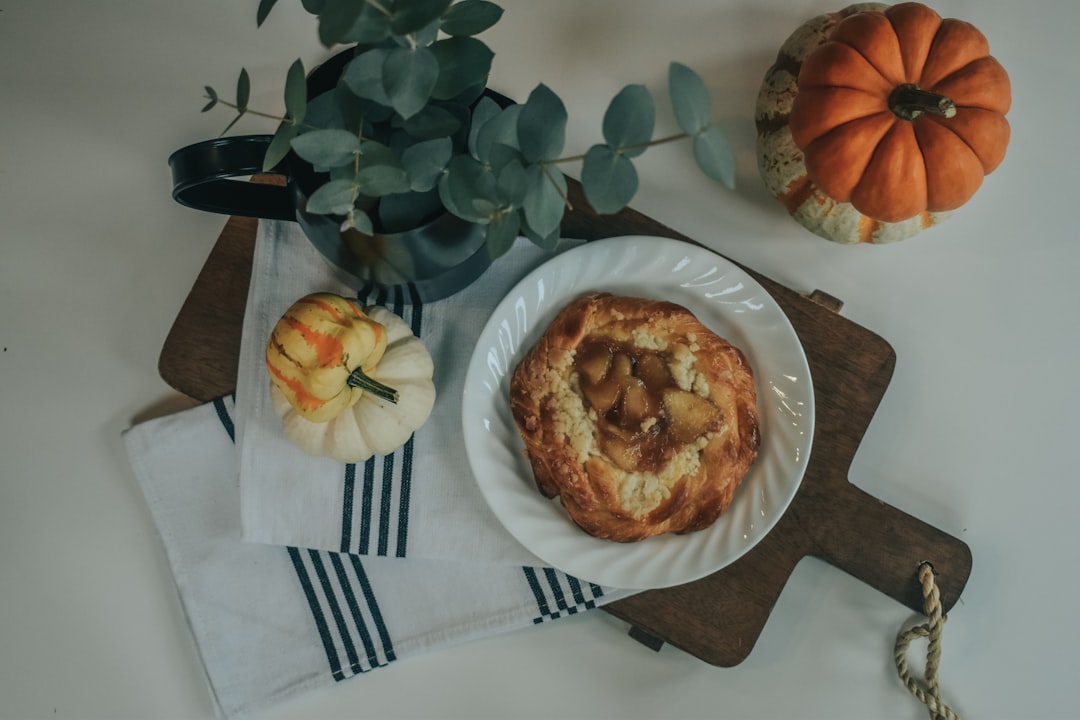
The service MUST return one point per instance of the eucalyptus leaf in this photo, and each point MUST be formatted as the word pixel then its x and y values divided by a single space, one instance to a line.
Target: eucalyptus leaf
pixel 379 171
pixel 484 209
pixel 408 17
pixel 360 114
pixel 464 62
pixel 380 180
pixel 212 96
pixel 608 178
pixel 334 198
pixel 265 6
pixel 446 195
pixel 326 148
pixel 364 75
pixel 358 220
pixel 432 122
pixel 689 99
pixel 541 126
pixel 544 242
pixel 296 91
pixel 371 26
pixel 376 153
pixel 501 155
pixel 470 17
pixel 314 7
pixel 629 120
pixel 425 162
pixel 545 201
pixel 279 146
pixel 324 112
pixel 471 94
pixel 485 110
pixel 714 156
pixel 397 140
pixel 427 34
pixel 465 183
pixel 501 233
pixel 501 129
pixel 336 19
pixel 511 184
pixel 409 75
pixel 243 90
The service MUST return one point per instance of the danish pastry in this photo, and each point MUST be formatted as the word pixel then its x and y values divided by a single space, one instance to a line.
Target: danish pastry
pixel 637 416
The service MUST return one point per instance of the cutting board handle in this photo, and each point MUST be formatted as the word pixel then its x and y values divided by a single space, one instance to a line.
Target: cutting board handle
pixel 884 546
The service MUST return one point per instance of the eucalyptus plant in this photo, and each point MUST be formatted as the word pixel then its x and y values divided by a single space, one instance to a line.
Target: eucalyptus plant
pixel 409 131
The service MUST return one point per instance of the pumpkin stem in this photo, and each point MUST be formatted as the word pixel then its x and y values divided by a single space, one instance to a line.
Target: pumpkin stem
pixel 358 379
pixel 910 101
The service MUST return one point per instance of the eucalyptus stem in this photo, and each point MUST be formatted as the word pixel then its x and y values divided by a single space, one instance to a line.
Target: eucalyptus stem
pixel 575 158
pixel 635 146
pixel 248 111
pixel 378 6
pixel 270 116
pixel 358 379
pixel 660 141
pixel 564 196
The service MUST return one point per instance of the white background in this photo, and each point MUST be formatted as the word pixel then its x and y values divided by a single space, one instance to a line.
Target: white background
pixel 976 434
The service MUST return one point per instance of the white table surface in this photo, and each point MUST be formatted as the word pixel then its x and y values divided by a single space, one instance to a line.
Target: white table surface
pixel 976 434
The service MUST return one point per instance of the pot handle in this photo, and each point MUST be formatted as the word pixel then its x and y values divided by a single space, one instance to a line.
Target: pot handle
pixel 201 179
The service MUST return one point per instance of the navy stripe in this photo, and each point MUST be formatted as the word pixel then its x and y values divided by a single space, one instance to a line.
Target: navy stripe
pixel 316 613
pixel 354 608
pixel 399 301
pixel 538 593
pixel 365 292
pixel 407 450
pixel 373 607
pixel 386 498
pixel 418 305
pixel 380 299
pixel 556 589
pixel 575 589
pixel 365 505
pixel 347 507
pixel 596 590
pixel 335 608
pixel 403 501
pixel 223 416
pixel 384 504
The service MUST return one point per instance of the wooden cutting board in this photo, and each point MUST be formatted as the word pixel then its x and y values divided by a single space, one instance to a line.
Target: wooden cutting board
pixel 718 618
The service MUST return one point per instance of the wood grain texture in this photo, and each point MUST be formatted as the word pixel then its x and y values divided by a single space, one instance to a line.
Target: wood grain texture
pixel 718 618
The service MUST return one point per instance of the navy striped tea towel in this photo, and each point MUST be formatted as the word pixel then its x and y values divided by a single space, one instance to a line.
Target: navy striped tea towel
pixel 419 502
pixel 310 617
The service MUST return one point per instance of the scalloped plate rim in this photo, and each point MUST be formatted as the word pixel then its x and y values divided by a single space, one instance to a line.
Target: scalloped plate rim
pixel 727 300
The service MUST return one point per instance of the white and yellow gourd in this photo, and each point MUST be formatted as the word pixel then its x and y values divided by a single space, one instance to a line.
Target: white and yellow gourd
pixel 348 383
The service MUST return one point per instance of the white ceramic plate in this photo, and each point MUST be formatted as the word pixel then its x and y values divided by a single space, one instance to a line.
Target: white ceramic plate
pixel 731 304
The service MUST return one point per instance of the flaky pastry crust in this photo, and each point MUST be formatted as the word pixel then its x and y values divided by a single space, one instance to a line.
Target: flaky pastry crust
pixel 695 481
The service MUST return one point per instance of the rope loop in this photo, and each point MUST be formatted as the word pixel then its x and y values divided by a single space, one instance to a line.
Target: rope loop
pixel 928 692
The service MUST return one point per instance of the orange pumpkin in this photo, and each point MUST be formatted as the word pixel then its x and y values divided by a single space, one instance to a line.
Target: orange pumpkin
pixel 894 117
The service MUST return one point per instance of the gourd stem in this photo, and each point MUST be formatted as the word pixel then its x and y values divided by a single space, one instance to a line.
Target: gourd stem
pixel 358 379
pixel 910 101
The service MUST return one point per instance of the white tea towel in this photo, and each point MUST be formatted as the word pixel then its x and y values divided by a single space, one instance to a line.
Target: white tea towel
pixel 272 622
pixel 419 502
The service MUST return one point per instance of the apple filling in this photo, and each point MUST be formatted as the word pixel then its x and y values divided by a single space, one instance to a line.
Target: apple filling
pixel 643 416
